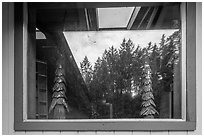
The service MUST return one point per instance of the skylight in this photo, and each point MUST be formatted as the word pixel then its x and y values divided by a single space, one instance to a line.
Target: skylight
pixel 114 17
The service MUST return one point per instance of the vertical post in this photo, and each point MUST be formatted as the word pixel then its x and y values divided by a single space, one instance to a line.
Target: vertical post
pixel 111 110
pixel 30 29
pixel 191 61
pixel 183 56
pixel 177 92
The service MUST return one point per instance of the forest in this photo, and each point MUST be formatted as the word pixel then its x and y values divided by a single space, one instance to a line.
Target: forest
pixel 132 78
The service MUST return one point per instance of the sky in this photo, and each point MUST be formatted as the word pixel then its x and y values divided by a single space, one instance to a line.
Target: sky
pixel 93 43
pixel 114 17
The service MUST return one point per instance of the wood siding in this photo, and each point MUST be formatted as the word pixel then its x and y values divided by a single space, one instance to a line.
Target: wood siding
pixel 8 81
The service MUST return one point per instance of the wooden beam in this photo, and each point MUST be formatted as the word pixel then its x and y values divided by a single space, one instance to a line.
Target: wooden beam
pixel 104 29
pixel 152 17
pixel 67 5
pixel 133 17
pixel 144 17
pixel 87 19
pixel 97 20
pixel 92 18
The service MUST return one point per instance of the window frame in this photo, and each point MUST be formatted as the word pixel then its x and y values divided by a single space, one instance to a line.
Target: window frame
pixel 148 124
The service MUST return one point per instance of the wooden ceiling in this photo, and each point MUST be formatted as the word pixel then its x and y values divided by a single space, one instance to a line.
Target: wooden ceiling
pixel 71 19
pixel 83 16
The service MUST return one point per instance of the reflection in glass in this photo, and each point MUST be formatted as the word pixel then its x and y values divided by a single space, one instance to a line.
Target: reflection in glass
pixel 91 67
pixel 124 76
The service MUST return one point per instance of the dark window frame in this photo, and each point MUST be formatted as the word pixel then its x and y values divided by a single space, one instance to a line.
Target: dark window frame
pixel 189 124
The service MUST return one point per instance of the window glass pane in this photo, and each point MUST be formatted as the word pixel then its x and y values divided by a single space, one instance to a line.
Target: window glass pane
pixel 121 16
pixel 107 63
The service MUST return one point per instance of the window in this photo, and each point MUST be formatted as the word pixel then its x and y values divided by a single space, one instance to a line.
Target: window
pixel 105 64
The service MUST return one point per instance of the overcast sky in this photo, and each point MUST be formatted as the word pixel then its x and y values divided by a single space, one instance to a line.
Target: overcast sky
pixel 114 17
pixel 93 43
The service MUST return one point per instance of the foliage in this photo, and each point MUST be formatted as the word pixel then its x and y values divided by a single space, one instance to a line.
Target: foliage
pixel 118 77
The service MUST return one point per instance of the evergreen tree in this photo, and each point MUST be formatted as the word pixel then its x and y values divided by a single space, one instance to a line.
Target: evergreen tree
pixel 148 105
pixel 112 59
pixel 169 56
pixel 137 69
pixel 145 71
pixel 126 52
pixel 59 104
pixel 86 70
